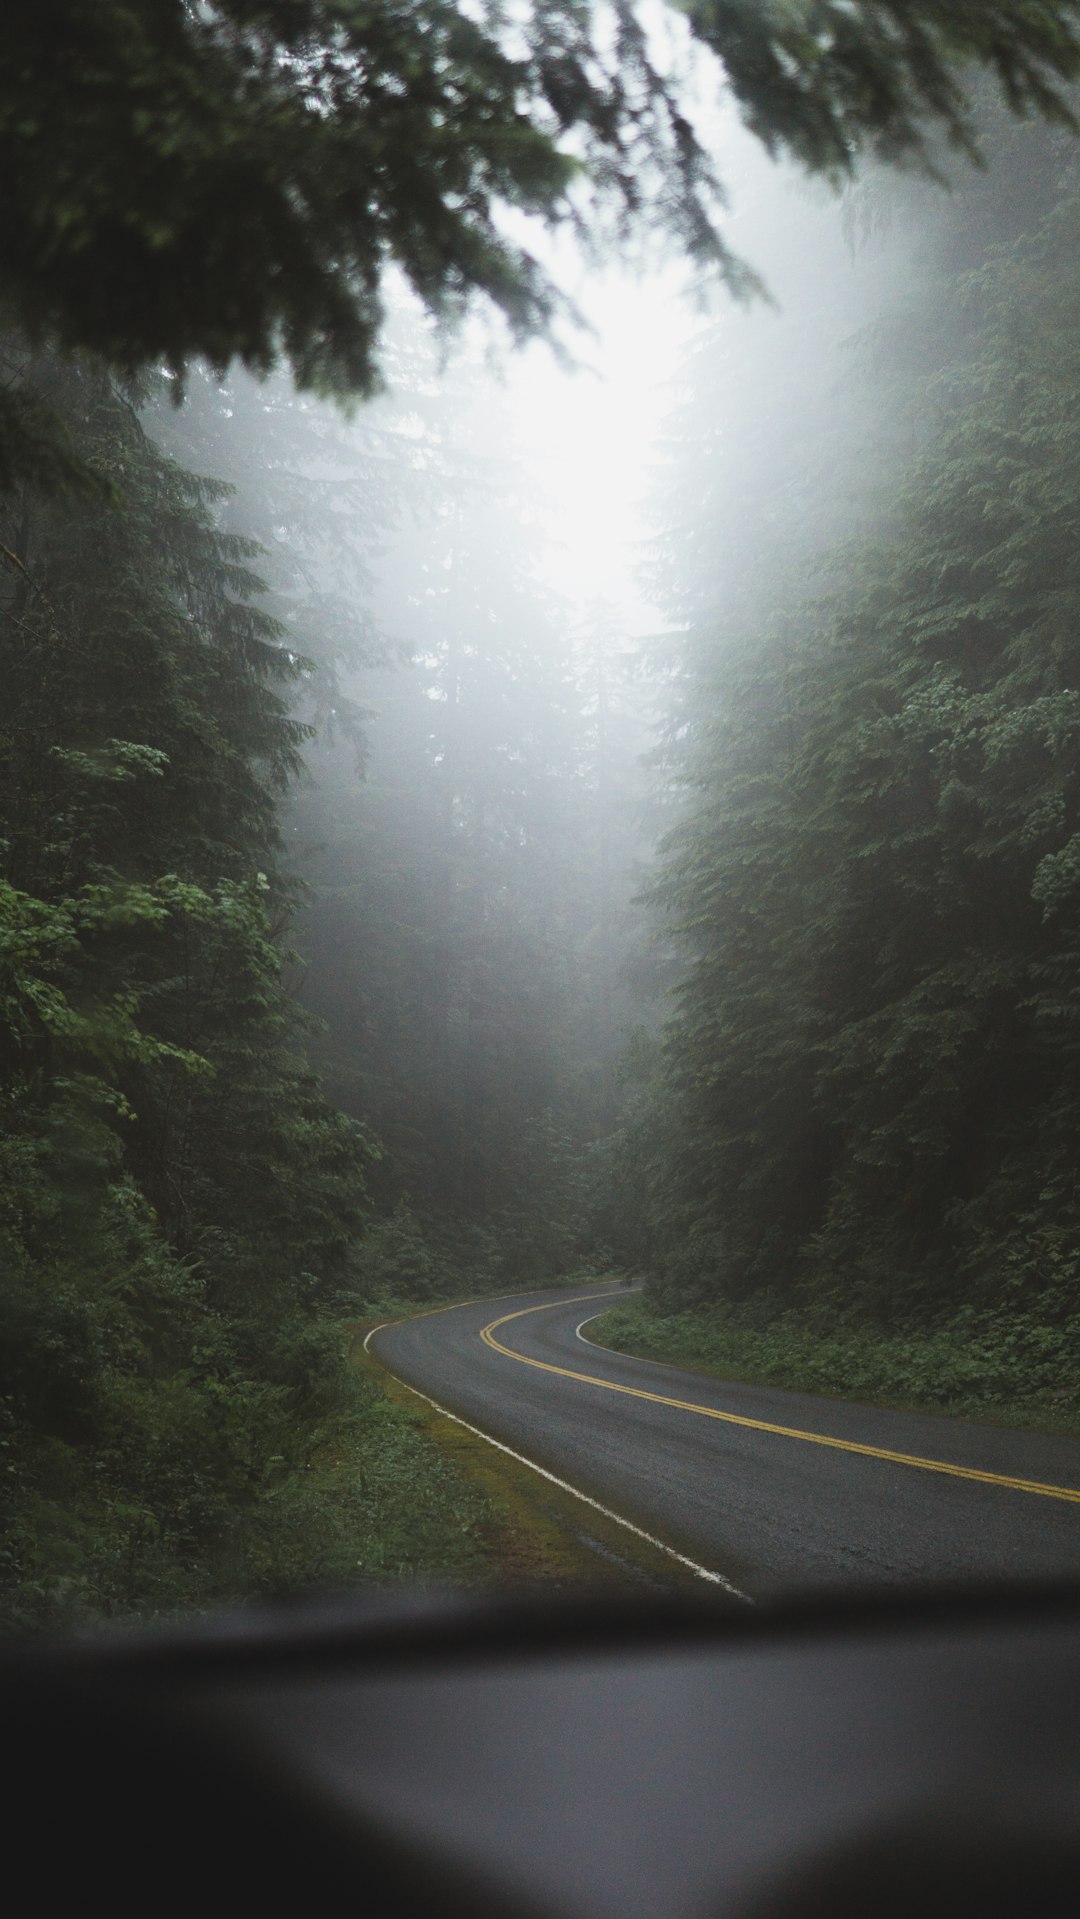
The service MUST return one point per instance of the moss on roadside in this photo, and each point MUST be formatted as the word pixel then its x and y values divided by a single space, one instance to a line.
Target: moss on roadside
pixel 524 1529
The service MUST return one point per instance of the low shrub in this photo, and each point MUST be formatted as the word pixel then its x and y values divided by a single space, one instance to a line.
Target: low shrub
pixel 999 1363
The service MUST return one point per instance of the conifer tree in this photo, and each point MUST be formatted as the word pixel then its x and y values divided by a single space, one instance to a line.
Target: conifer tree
pixel 176 1200
pixel 872 886
pixel 234 180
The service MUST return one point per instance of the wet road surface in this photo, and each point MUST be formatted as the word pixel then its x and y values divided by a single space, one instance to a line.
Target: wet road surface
pixel 769 1490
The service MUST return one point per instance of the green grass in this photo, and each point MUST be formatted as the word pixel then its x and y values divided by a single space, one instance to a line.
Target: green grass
pixel 995 1365
pixel 384 1494
pixel 350 1492
pixel 438 1505
pixel 389 1505
pixel 517 1528
pixel 344 1481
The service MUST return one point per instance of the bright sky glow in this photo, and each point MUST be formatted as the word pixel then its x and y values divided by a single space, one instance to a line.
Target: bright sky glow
pixel 588 436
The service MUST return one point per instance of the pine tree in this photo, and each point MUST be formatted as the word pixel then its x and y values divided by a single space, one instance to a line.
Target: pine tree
pixel 873 884
pixel 232 181
pixel 176 1200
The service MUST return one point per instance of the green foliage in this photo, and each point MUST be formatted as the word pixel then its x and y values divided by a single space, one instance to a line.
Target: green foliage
pixel 233 181
pixel 870 1080
pixel 824 80
pixel 386 1505
pixel 398 1262
pixel 1012 1364
pixel 178 1204
pixel 153 1466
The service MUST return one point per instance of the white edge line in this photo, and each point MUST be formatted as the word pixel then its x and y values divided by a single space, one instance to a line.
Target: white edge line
pixel 580 1335
pixel 616 1352
pixel 588 1320
pixel 701 1572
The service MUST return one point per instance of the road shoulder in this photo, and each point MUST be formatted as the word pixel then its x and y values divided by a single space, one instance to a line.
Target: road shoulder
pixel 540 1533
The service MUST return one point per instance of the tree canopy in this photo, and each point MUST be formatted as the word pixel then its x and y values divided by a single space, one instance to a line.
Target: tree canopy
pixel 232 179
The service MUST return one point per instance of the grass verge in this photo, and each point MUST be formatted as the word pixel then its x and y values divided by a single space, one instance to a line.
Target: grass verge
pixel 1004 1368
pixel 522 1530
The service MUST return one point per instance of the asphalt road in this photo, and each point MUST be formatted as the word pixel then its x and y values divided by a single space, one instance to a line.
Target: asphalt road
pixel 685 1457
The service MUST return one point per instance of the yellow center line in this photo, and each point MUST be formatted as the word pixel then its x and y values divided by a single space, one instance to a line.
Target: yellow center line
pixel 760 1425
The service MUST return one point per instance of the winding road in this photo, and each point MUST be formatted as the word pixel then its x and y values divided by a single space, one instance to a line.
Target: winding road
pixel 755 1489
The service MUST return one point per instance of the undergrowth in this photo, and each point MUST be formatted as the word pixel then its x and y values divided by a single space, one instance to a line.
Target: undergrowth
pixel 996 1364
pixel 201 1514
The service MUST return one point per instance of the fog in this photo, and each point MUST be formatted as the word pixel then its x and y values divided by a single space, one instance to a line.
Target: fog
pixel 511 575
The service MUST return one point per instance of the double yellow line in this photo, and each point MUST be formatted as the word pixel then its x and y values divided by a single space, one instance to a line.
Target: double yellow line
pixel 489 1331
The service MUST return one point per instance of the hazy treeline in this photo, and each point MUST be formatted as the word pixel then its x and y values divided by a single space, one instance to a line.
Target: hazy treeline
pixel 866 1101
pixel 471 942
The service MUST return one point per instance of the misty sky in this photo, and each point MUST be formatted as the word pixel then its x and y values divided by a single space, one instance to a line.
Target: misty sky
pixel 589 435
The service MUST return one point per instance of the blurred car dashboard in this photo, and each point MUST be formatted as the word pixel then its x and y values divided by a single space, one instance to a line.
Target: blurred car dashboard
pixel 575 1759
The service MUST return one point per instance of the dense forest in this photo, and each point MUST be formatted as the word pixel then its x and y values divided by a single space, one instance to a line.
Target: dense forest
pixel 335 971
pixel 861 1117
